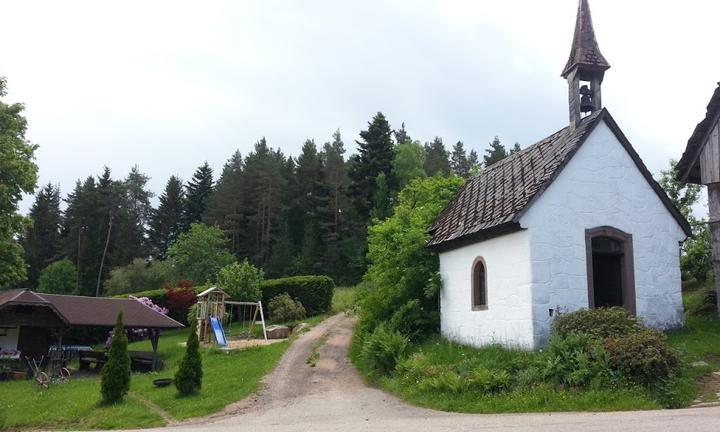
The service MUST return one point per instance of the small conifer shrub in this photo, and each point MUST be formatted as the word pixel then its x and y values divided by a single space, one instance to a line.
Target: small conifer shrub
pixel 188 378
pixel 115 375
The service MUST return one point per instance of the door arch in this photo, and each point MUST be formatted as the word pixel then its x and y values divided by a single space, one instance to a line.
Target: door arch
pixel 610 268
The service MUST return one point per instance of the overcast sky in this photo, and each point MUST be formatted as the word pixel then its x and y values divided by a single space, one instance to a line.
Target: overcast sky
pixel 169 85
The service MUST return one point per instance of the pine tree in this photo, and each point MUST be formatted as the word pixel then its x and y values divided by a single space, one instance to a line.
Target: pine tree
pixel 188 378
pixel 376 154
pixel 115 375
pixel 225 206
pixel 197 194
pixel 139 210
pixel 473 162
pixel 42 240
pixel 82 238
pixel 516 148
pixel 495 153
pixel 166 222
pixel 436 158
pixel 265 179
pixel 312 197
pixel 459 161
pixel 401 136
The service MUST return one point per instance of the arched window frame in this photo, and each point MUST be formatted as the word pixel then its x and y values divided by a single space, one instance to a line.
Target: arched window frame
pixel 628 266
pixel 475 302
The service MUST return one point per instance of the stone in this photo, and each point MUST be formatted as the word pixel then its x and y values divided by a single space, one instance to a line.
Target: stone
pixel 699 363
pixel 278 332
pixel 301 328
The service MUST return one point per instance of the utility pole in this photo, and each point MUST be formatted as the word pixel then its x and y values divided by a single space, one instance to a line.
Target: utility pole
pixel 102 261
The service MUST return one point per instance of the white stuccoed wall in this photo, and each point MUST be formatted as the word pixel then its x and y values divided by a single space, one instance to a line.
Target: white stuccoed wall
pixel 601 186
pixel 508 319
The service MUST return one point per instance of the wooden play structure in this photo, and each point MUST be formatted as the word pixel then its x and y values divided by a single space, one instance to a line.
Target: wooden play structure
pixel 212 314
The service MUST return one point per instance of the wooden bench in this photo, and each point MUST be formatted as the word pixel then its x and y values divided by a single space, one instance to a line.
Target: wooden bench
pixel 86 358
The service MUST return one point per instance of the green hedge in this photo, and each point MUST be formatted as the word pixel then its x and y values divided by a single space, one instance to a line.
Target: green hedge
pixel 158 296
pixel 314 292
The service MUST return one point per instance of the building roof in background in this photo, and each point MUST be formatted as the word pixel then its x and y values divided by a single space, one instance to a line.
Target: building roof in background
pixel 688 168
pixel 492 202
pixel 585 50
pixel 91 311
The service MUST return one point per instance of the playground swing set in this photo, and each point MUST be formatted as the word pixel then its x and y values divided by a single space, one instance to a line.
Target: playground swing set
pixel 212 313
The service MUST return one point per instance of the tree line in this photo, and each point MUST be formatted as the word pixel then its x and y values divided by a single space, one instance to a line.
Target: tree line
pixel 288 215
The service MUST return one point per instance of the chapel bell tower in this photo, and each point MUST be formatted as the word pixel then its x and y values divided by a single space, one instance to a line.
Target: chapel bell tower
pixel 585 68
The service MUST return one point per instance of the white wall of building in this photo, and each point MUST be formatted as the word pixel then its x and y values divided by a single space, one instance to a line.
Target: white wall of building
pixel 10 338
pixel 508 318
pixel 601 186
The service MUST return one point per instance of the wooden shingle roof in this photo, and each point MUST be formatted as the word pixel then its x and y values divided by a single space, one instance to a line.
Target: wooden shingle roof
pixel 492 202
pixel 585 50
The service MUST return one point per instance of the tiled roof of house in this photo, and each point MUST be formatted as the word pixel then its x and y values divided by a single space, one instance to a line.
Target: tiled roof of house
pixel 585 50
pixel 688 168
pixel 91 311
pixel 491 203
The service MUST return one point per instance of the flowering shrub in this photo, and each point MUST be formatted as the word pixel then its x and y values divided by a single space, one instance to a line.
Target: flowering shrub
pixel 136 334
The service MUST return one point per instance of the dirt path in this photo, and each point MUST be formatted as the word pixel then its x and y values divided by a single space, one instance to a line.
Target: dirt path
pixel 332 397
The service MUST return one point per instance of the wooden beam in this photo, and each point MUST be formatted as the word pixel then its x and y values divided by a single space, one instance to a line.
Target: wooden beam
pixel 154 339
pixel 714 213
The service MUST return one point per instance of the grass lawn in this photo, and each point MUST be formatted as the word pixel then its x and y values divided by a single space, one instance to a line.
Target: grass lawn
pixel 427 386
pixel 228 377
pixel 441 354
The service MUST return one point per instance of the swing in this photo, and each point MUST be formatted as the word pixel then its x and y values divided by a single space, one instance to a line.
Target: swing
pixel 248 315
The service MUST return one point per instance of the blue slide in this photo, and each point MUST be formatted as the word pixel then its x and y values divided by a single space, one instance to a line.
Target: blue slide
pixel 219 332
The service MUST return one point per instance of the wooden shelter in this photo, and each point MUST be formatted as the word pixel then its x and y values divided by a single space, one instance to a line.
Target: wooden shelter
pixel 31 321
pixel 700 164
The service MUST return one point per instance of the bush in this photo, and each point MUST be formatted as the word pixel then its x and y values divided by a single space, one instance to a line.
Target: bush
pixel 414 322
pixel 284 309
pixel 601 322
pixel 383 348
pixel 642 357
pixel 401 267
pixel 707 305
pixel 188 378
pixel 180 300
pixel 577 360
pixel 241 280
pixel 696 260
pixel 115 375
pixel 59 277
pixel 315 293
pixel 138 276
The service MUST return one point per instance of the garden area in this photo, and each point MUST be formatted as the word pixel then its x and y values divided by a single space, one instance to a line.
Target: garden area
pixel 226 376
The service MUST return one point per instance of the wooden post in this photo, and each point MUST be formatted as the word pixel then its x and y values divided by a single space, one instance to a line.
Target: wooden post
pixel 154 336
pixel 714 214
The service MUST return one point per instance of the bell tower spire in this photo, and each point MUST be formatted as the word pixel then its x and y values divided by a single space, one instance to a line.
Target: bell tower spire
pixel 585 68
